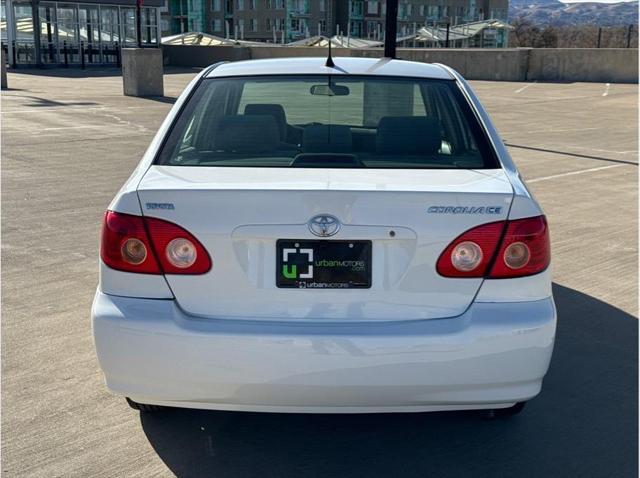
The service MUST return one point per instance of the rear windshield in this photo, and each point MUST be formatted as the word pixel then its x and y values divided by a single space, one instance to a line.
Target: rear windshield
pixel 327 122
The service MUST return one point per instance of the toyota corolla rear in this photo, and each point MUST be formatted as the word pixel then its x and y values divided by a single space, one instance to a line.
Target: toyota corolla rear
pixel 315 239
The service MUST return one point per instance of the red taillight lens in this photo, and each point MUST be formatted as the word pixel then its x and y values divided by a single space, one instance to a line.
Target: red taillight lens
pixel 125 245
pixel 177 250
pixel 525 249
pixel 150 246
pixel 479 252
pixel 470 254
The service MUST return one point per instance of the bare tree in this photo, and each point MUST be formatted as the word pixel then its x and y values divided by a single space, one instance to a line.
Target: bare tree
pixel 525 34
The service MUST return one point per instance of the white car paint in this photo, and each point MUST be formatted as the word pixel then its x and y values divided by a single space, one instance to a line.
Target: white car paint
pixel 415 341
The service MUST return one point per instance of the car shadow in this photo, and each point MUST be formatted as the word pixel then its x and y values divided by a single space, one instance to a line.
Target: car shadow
pixel 584 423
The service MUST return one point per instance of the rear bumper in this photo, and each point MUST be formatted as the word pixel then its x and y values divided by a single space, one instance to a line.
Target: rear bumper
pixel 493 355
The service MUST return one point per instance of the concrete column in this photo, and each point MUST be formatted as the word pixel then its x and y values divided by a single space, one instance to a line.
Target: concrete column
pixel 3 82
pixel 142 73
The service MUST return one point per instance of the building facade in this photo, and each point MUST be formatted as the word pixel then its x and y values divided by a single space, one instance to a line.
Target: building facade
pixel 366 18
pixel 289 20
pixel 43 33
pixel 269 20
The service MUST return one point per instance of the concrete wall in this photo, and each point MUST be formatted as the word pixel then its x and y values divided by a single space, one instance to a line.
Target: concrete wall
pixel 475 64
pixel 190 55
pixel 614 65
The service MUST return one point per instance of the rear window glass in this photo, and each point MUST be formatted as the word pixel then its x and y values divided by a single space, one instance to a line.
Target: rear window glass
pixel 327 122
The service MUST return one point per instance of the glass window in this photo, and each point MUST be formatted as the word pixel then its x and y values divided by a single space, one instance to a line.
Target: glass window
pixel 355 28
pixel 149 26
pixel 321 121
pixel 3 19
pixel 215 5
pixel 128 25
pixel 355 7
pixel 48 33
pixel 67 24
pixel 372 7
pixel 25 42
pixel 216 25
pixel 89 20
pixel 109 24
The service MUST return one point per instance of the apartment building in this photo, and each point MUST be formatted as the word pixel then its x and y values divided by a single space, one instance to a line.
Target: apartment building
pixel 366 18
pixel 289 20
pixel 269 20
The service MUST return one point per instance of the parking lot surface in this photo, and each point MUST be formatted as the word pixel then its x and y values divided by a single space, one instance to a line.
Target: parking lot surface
pixel 69 141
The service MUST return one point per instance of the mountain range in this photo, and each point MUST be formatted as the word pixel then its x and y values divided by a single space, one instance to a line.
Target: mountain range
pixel 555 13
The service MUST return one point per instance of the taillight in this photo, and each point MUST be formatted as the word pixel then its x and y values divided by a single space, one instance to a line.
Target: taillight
pixel 499 250
pixel 150 246
pixel 125 245
pixel 525 249
pixel 470 254
pixel 177 250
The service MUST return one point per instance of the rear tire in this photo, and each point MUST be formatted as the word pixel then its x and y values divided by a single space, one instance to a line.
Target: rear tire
pixel 143 407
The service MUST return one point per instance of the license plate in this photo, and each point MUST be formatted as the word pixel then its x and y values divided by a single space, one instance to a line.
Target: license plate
pixel 323 264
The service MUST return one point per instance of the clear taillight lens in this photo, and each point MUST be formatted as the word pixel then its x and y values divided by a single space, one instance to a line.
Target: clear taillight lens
pixel 133 251
pixel 517 255
pixel 181 253
pixel 466 256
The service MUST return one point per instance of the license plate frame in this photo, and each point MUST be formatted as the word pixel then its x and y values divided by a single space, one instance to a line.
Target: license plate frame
pixel 323 264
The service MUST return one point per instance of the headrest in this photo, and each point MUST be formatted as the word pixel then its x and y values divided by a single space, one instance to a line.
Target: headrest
pixel 275 110
pixel 408 135
pixel 327 139
pixel 247 134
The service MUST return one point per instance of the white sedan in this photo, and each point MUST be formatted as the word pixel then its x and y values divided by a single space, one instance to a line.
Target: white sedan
pixel 302 237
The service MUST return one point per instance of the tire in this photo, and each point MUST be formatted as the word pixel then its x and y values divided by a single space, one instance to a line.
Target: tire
pixel 504 412
pixel 143 407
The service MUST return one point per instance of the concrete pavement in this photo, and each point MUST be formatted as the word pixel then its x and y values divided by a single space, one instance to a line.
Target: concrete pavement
pixel 68 144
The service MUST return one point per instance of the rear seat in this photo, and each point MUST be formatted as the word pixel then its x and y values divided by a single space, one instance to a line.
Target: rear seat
pixel 327 139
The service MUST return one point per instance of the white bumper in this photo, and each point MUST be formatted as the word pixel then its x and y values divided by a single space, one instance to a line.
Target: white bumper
pixel 493 355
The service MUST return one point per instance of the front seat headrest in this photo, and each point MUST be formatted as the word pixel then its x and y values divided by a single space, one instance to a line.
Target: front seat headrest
pixel 247 134
pixel 275 110
pixel 409 135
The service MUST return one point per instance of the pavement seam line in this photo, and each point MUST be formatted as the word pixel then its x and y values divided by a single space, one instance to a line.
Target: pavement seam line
pixel 572 173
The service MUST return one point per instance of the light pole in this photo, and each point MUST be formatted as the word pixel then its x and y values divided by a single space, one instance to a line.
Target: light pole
pixel 391 29
pixel 139 22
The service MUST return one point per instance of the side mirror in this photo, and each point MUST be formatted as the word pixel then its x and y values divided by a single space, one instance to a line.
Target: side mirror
pixel 329 90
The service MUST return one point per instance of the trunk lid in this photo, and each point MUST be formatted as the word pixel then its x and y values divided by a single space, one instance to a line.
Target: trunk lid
pixel 240 213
